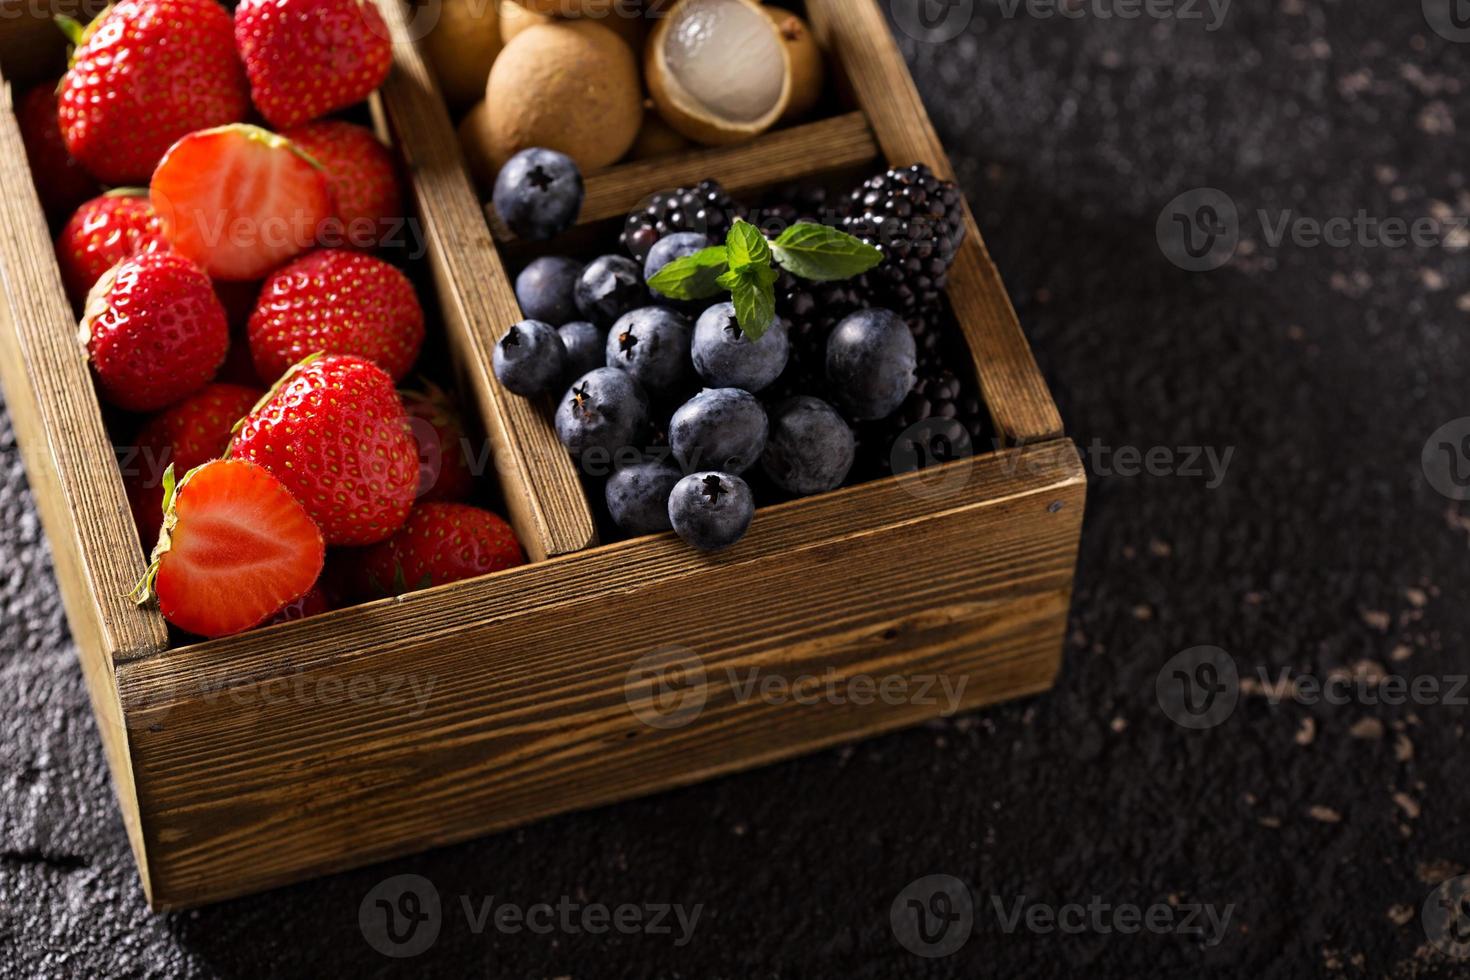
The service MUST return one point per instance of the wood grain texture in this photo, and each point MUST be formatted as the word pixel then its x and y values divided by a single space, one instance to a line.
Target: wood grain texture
pixel 540 483
pixel 785 155
pixel 259 765
pixel 857 34
pixel 69 459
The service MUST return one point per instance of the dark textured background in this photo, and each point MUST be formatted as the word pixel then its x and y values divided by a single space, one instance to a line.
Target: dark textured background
pixel 1324 549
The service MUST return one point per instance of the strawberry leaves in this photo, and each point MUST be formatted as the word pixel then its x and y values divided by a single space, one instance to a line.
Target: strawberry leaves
pixel 743 268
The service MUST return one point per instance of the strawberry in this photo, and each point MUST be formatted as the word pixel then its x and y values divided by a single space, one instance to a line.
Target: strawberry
pixel 336 302
pixel 239 200
pixel 183 436
pixel 60 180
pixel 440 543
pixel 144 74
pixel 236 547
pixel 105 230
pixel 334 432
pixel 445 472
pixel 314 603
pixel 363 175
pixel 306 58
pixel 154 331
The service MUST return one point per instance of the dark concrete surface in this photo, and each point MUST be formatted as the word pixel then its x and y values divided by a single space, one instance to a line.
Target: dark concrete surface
pixel 1324 550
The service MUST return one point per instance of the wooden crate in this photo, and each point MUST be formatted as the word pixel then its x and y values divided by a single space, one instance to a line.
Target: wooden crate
pixel 260 759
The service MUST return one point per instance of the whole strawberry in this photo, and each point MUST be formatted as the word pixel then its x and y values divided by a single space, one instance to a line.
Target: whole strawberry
pixel 333 431
pixel 440 543
pixel 306 58
pixel 105 230
pixel 363 176
pixel 154 331
pixel 144 74
pixel 314 603
pixel 60 180
pixel 183 436
pixel 336 302
pixel 445 472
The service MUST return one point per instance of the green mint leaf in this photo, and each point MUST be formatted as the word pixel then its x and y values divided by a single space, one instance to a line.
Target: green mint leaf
pixel 822 254
pixel 748 247
pixel 755 300
pixel 694 276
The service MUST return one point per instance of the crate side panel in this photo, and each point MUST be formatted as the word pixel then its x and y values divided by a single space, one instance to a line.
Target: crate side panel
pixel 284 773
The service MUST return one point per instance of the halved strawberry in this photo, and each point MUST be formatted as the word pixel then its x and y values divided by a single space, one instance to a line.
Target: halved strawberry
pixel 240 200
pixel 105 230
pixel 236 547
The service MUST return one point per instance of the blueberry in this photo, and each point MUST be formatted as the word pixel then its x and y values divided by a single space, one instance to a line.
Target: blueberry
pixel 651 344
pixel 530 358
pixel 870 363
pixel 584 344
pixel 711 511
pixel 538 193
pixel 638 495
pixel 719 428
pixel 609 287
pixel 724 356
pixel 546 289
pixel 671 247
pixel 604 409
pixel 810 448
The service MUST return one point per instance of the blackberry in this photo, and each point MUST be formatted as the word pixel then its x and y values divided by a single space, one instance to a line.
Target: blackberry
pixel 917 221
pixel 811 310
pixel 704 208
pixel 941 420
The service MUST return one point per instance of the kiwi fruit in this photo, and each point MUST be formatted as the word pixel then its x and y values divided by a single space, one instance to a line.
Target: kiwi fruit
pixel 461 47
pixel 570 86
pixel 807 72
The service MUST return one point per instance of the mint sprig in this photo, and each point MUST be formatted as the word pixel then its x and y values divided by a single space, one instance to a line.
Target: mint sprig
pixel 743 267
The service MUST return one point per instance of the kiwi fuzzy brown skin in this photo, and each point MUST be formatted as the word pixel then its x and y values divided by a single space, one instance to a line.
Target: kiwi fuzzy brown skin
pixel 570 86
pixel 461 47
pixel 808 73
pixel 676 107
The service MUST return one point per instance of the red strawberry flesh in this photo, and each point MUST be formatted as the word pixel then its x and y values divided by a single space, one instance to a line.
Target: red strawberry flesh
pixel 240 201
pixel 237 548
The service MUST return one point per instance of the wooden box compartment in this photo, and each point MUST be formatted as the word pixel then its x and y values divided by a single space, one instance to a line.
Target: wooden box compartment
pixel 256 760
